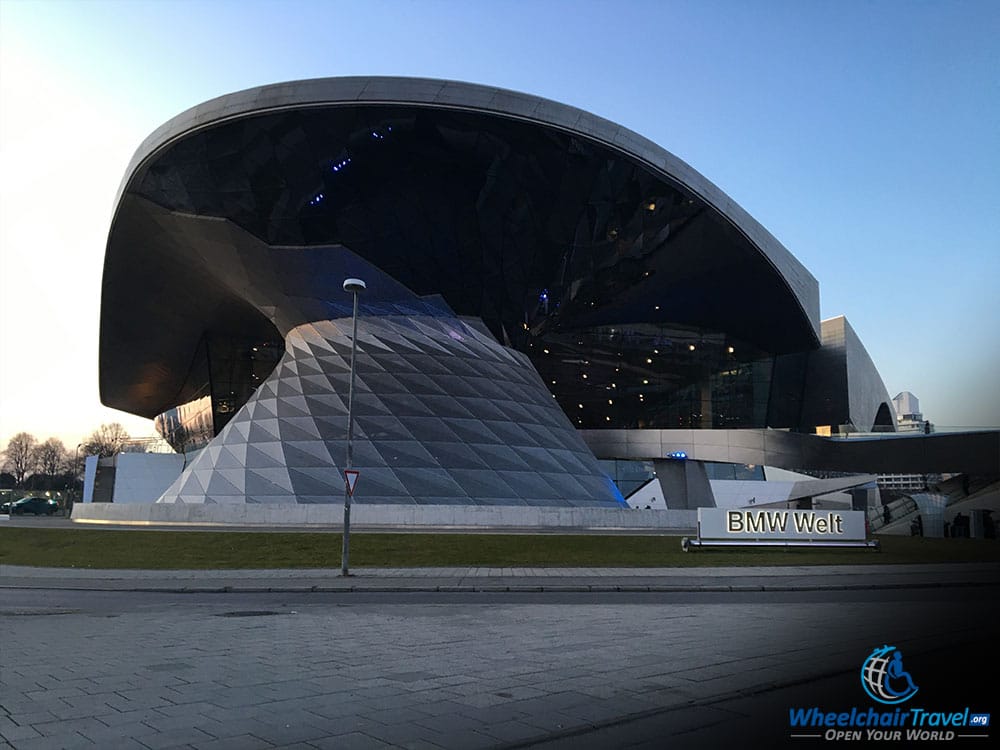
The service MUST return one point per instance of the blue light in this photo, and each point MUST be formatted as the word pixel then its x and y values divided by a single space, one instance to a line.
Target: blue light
pixel 544 296
pixel 336 166
pixel 678 455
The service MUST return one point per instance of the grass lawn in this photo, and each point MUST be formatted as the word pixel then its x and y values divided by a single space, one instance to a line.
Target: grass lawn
pixel 130 548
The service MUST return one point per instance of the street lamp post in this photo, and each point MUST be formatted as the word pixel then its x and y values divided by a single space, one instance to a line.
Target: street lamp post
pixel 354 286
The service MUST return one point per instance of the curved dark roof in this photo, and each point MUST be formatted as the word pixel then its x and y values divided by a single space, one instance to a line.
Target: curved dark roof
pixel 487 197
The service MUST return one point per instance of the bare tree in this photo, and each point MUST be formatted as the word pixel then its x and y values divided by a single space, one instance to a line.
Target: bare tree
pixel 107 440
pixel 51 457
pixel 20 456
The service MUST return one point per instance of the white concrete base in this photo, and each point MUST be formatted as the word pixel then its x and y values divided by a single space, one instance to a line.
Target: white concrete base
pixel 327 515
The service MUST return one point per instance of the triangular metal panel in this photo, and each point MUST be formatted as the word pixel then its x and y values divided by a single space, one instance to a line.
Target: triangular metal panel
pixel 303 425
pixel 268 427
pixel 398 453
pixel 299 458
pixel 220 485
pixel 288 387
pixel 292 406
pixel 382 428
pixel 236 477
pixel 265 455
pixel 277 478
pixel 319 450
pixel 239 451
pixel 242 429
pixel 265 408
pixel 315 482
pixel 227 460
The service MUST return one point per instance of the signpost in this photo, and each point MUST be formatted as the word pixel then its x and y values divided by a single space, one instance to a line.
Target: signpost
pixel 355 287
pixel 351 479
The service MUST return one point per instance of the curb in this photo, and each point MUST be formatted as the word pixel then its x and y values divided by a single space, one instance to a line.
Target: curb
pixel 488 588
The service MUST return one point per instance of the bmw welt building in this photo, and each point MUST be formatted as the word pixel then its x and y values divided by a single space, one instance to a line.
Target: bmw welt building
pixel 549 296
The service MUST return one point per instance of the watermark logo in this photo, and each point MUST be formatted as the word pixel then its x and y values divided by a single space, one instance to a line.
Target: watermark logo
pixel 885 679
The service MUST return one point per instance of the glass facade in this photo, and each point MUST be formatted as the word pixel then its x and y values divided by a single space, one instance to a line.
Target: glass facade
pixel 224 375
pixel 639 305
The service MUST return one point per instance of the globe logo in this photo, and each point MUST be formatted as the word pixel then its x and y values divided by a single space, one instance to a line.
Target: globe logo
pixel 883 676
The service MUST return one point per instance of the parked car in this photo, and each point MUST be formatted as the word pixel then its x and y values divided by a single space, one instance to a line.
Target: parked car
pixel 40 506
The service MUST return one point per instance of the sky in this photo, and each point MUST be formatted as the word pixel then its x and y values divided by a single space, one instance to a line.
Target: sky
pixel 865 136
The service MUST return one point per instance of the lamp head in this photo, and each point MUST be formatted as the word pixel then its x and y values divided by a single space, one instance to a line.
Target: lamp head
pixel 354 285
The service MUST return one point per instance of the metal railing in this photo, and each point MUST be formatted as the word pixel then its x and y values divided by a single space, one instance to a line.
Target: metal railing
pixel 881 516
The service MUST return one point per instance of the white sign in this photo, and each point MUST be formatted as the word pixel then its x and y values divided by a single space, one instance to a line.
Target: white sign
pixel 777 523
pixel 351 477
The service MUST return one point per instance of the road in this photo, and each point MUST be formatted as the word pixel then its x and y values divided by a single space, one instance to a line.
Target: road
pixel 419 669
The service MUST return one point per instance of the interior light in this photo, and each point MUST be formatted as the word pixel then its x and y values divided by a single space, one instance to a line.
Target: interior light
pixel 731 350
pixel 645 382
pixel 607 419
pixel 651 206
pixel 580 405
pixel 657 307
pixel 584 376
pixel 649 361
pixel 611 402
pixel 545 350
pixel 691 347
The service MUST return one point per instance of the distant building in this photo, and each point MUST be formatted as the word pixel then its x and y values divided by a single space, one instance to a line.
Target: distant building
pixel 908 415
pixel 908 419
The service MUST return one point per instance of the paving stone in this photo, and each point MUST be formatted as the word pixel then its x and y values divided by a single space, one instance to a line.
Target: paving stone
pixel 12 732
pixel 352 741
pixel 236 742
pixel 71 741
pixel 174 738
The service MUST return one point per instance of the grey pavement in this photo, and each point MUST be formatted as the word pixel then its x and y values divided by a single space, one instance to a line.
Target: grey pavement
pixel 751 578
pixel 163 659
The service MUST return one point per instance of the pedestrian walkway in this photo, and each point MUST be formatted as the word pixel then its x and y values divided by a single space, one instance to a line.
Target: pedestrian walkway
pixel 778 578
pixel 117 670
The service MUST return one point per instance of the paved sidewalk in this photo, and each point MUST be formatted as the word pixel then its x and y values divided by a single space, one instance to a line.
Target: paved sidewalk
pixel 781 578
pixel 301 671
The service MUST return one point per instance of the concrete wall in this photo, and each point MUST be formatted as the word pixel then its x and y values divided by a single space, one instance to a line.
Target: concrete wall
pixel 89 478
pixel 456 516
pixel 143 477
